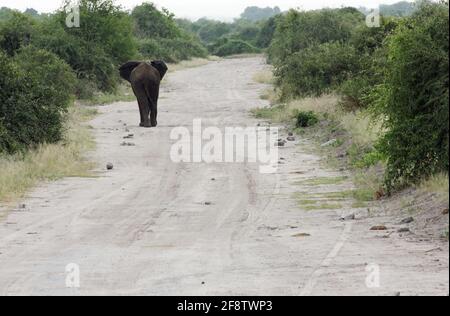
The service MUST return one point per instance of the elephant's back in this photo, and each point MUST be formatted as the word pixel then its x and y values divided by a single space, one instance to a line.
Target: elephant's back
pixel 145 73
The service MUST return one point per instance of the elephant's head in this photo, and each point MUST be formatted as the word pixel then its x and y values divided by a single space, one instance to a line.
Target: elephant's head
pixel 160 66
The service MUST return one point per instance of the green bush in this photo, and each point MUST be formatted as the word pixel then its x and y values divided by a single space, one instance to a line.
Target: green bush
pixel 306 119
pixel 369 43
pixel 299 30
pixel 36 88
pixel 414 98
pixel 16 32
pixel 160 37
pixel 171 50
pixel 234 47
pixel 317 69
pixel 103 41
pixel 152 23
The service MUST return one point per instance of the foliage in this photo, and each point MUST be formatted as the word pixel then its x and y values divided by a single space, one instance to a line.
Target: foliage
pixel 103 41
pixel 299 30
pixel 415 95
pixel 5 13
pixel 160 37
pixel 171 50
pixel 36 88
pixel 152 23
pixel 306 119
pixel 316 70
pixel 15 32
pixel 256 14
pixel 233 47
pixel 399 9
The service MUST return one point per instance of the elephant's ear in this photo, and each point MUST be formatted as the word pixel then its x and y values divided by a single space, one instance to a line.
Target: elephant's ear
pixel 161 67
pixel 127 68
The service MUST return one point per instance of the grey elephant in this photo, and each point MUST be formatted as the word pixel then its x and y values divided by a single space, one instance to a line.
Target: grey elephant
pixel 145 79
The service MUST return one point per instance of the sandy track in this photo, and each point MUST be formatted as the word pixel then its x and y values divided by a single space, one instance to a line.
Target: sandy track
pixel 144 228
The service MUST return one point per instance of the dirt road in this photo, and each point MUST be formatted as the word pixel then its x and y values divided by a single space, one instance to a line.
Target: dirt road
pixel 155 227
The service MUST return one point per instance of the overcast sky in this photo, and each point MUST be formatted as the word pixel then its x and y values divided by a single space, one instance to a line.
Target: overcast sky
pixel 219 9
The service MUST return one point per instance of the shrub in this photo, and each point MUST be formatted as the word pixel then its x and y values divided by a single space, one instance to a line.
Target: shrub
pixel 415 96
pixel 369 45
pixel 316 70
pixel 299 30
pixel 103 41
pixel 36 89
pixel 16 32
pixel 171 50
pixel 160 37
pixel 234 47
pixel 152 23
pixel 306 119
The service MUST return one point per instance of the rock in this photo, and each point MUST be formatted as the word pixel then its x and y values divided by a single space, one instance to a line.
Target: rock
pixel 407 220
pixel 379 227
pixel 329 143
pixel 22 206
pixel 291 138
pixel 208 203
pixel 213 179
pixel 301 235
pixel 129 136
pixel 445 212
pixel 280 144
pixel 109 166
pixel 127 144
pixel 291 134
pixel 403 230
pixel 350 217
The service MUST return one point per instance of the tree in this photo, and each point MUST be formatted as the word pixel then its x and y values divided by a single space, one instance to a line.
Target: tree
pixel 257 14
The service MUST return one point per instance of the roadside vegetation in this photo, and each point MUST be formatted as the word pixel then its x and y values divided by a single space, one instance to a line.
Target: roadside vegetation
pixel 375 100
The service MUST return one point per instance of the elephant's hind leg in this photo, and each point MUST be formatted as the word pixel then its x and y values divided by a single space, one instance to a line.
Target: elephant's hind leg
pixel 144 106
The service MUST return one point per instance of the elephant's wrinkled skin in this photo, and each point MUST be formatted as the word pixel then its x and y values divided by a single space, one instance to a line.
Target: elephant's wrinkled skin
pixel 145 79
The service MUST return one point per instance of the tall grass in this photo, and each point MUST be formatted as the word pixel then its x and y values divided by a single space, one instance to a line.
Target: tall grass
pixel 20 172
pixel 437 184
pixel 264 77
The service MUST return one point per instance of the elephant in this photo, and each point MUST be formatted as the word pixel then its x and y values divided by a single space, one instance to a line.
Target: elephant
pixel 145 79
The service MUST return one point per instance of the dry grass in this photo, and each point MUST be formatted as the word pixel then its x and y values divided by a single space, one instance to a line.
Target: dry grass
pixel 437 184
pixel 264 77
pixel 19 173
pixel 358 124
pixel 124 93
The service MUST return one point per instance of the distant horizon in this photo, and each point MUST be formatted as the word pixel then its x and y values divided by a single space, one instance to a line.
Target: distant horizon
pixel 229 11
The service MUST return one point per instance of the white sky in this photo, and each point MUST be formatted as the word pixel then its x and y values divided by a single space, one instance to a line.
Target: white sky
pixel 194 9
